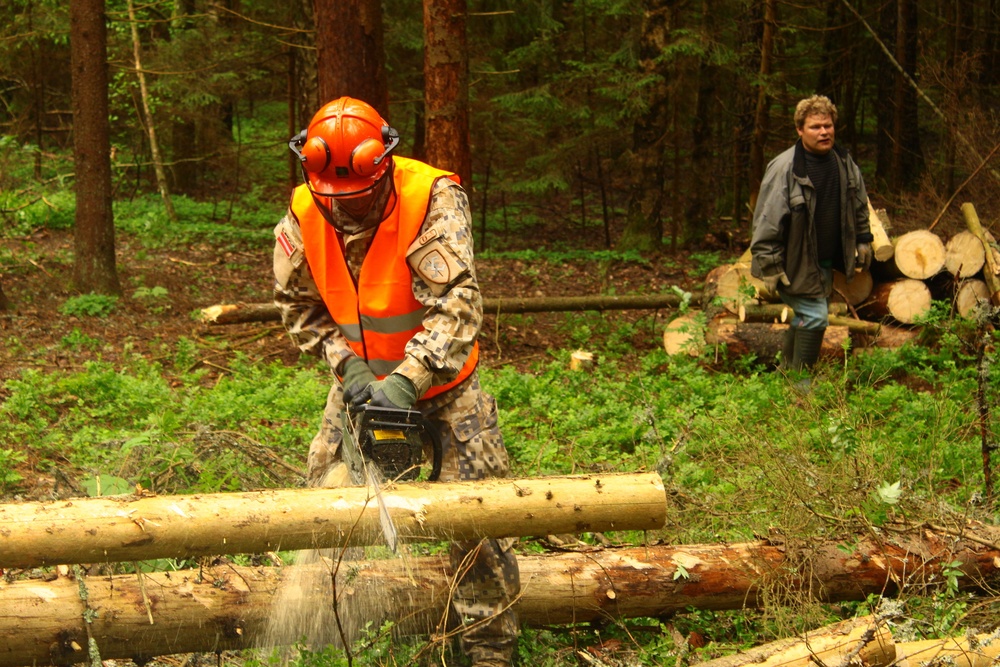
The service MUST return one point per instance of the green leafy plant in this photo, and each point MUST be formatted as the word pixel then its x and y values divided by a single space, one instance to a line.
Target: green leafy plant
pixel 89 305
pixel 9 477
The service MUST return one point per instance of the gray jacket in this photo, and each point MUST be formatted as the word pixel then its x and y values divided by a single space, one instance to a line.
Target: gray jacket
pixel 784 238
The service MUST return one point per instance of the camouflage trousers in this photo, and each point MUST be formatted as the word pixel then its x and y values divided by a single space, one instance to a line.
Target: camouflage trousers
pixel 472 447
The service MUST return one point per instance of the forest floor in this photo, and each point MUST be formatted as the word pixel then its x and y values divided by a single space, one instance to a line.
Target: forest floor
pixel 38 335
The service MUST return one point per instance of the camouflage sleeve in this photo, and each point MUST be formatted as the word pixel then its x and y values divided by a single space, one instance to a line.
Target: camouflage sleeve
pixel 303 312
pixel 444 280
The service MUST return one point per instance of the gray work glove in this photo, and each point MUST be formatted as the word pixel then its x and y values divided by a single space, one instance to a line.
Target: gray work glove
pixel 865 255
pixel 771 282
pixel 355 376
pixel 395 391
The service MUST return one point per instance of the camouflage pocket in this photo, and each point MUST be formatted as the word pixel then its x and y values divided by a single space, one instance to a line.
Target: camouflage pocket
pixel 483 418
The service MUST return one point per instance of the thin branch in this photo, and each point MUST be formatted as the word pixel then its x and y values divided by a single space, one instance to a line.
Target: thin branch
pixel 913 84
pixel 960 187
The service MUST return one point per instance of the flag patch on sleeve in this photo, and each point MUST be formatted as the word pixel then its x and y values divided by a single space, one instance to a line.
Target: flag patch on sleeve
pixel 286 245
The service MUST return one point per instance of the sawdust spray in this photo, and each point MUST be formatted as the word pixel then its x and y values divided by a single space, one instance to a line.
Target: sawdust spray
pixel 322 600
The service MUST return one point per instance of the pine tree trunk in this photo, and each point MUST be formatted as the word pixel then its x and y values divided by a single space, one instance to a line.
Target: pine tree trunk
pixel 446 87
pixel 350 52
pixel 94 267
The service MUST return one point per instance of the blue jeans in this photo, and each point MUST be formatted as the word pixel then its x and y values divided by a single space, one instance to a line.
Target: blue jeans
pixel 810 313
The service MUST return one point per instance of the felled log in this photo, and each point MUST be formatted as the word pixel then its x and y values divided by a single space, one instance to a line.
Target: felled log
pixel 882 247
pixel 889 337
pixel 140 527
pixel 766 340
pixel 731 285
pixel 685 334
pixel 240 313
pixel 221 607
pixel 964 255
pixel 979 651
pixel 918 254
pixel 856 641
pixel 780 312
pixel 903 300
pixel 991 271
pixel 853 291
pixel 970 296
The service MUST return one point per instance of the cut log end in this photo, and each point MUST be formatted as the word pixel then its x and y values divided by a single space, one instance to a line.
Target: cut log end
pixel 919 254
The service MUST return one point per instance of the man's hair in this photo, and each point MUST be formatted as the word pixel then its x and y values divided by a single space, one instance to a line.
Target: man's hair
pixel 816 104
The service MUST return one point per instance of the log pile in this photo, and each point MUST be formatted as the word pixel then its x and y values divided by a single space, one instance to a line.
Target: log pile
pixel 880 307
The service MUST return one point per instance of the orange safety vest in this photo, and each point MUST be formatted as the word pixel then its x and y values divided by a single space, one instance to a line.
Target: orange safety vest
pixel 379 315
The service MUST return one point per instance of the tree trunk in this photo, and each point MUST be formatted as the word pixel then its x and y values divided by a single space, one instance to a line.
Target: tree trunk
pixel 94 236
pixel 446 87
pixel 903 300
pixel 644 216
pixel 127 528
pixel 224 606
pixel 761 117
pixel 350 52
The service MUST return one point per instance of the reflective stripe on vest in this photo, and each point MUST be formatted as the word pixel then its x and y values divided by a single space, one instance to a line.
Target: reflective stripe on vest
pixel 379 315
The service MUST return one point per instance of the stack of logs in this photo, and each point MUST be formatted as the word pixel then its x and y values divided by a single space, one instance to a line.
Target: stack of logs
pixel 879 307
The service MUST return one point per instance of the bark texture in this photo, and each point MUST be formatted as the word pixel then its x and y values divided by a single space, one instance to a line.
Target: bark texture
pixel 446 87
pixel 224 606
pixel 94 267
pixel 350 52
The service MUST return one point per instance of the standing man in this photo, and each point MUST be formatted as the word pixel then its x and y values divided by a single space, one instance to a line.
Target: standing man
pixel 811 218
pixel 374 273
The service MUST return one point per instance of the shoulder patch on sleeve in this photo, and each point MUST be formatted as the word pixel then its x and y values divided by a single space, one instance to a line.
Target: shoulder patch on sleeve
pixel 434 263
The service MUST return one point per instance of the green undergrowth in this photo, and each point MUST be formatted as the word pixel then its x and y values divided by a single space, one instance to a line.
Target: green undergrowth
pixel 881 437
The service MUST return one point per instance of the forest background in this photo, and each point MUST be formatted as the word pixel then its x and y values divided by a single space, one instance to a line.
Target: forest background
pixel 607 146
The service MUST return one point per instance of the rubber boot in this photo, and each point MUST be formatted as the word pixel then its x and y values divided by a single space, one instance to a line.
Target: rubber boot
pixel 807 346
pixel 788 348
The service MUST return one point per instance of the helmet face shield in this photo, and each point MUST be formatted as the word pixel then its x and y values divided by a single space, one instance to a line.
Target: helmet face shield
pixel 345 150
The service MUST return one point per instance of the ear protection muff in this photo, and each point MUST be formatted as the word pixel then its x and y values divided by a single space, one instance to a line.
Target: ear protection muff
pixel 316 155
pixel 368 155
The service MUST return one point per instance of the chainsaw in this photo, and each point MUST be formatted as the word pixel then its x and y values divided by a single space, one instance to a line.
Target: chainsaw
pixel 387 444
pixel 393 439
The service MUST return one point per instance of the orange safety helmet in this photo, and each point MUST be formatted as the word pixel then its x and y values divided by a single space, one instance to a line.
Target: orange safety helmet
pixel 343 152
